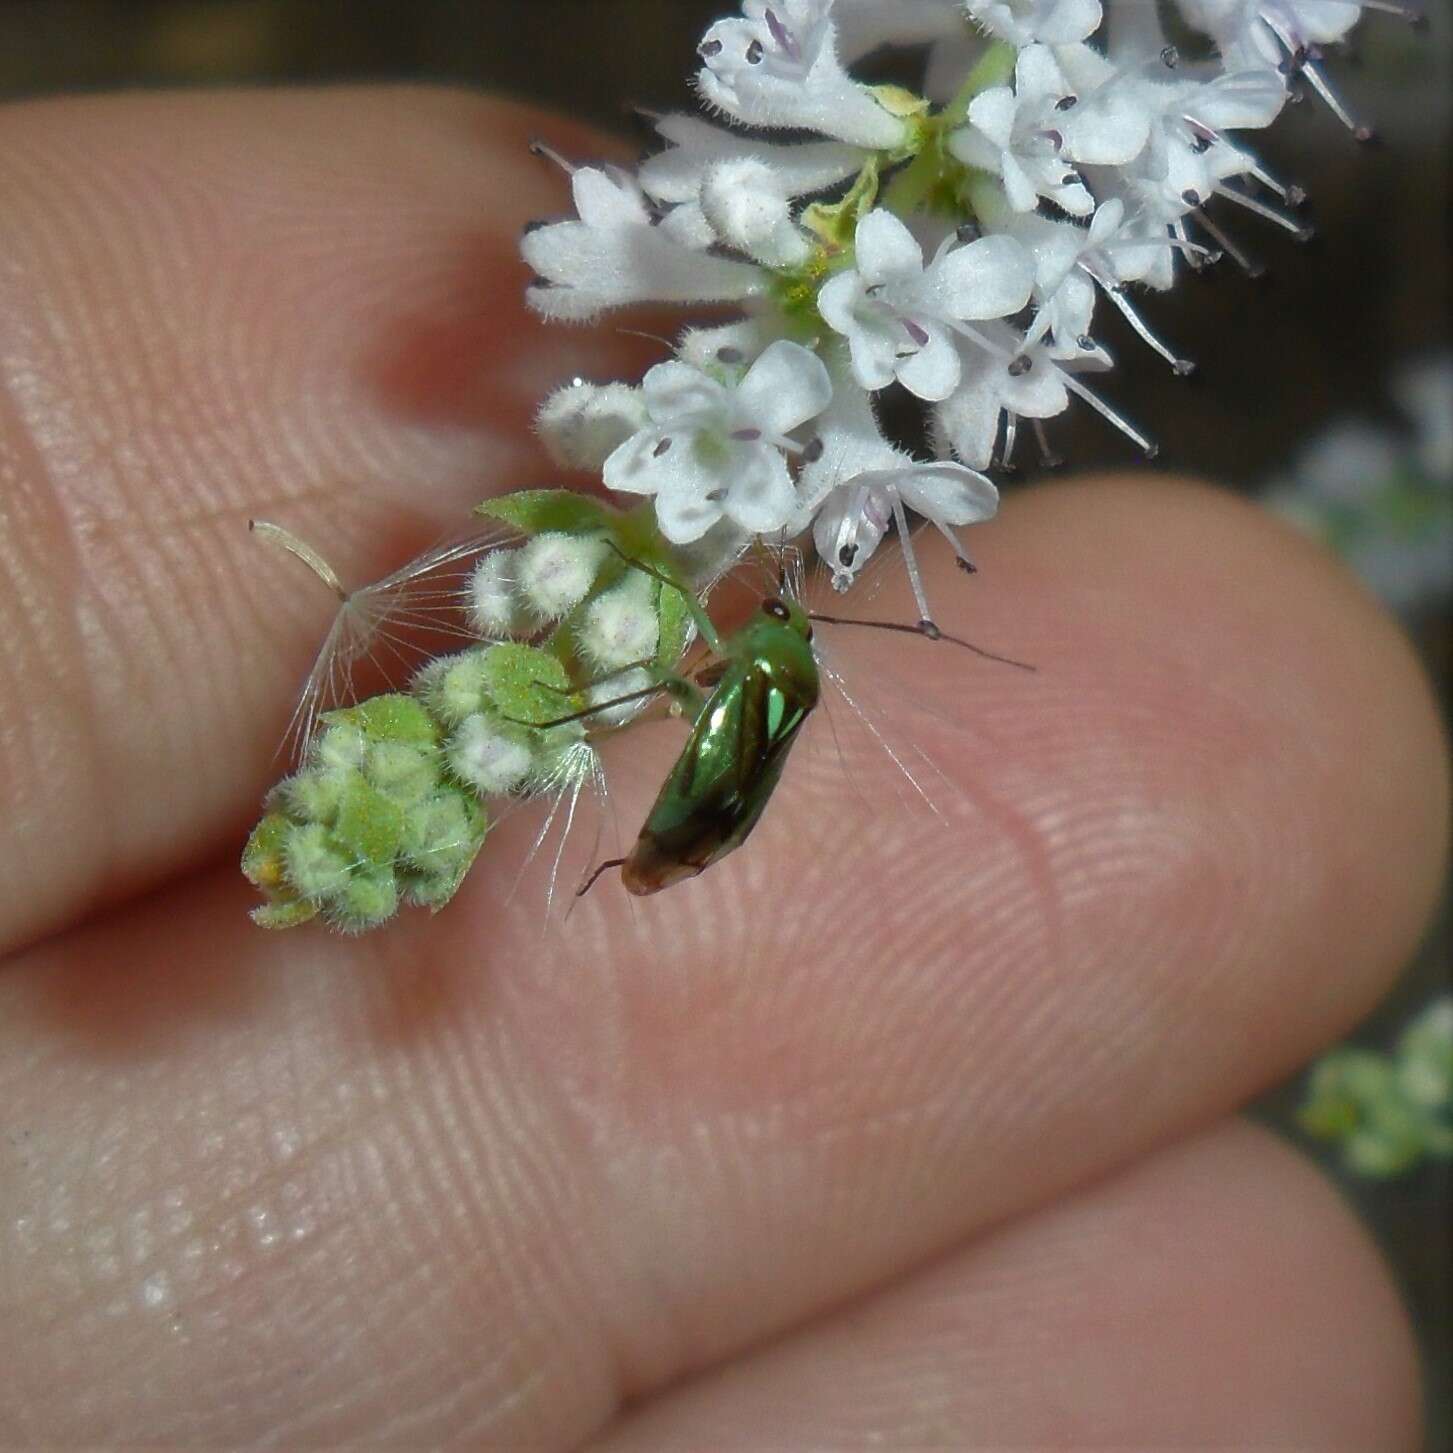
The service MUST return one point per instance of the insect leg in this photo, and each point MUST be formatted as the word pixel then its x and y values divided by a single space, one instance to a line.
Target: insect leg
pixel 642 664
pixel 601 868
pixel 600 706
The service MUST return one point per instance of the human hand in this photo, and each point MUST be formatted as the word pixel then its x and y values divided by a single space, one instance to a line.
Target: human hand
pixel 883 1132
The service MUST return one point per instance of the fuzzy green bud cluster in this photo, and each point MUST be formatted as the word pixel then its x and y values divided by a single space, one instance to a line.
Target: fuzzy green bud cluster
pixel 369 822
pixel 392 803
pixel 1387 1113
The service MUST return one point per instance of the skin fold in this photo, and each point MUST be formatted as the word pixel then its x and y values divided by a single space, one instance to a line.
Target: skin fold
pixel 900 1127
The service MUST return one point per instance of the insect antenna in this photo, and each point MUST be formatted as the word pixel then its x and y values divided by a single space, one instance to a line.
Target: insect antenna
pixel 599 869
pixel 926 628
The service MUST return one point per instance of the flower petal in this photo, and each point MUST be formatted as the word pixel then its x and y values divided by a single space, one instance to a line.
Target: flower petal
pixel 1109 128
pixel 676 391
pixel 1068 21
pixel 659 460
pixel 932 373
pixel 949 493
pixel 886 250
pixel 761 499
pixel 838 299
pixel 990 277
pixel 992 112
pixel 684 516
pixel 785 387
pixel 1021 192
pixel 1037 76
pixel 872 350
pixel 968 420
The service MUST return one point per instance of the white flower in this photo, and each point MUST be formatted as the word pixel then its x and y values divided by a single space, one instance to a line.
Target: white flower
pixel 615 254
pixel 897 315
pixel 1111 113
pixel 676 174
pixel 1285 35
pixel 1048 22
pixel 857 485
pixel 1017 136
pixel 747 208
pixel 1006 376
pixel 857 514
pixel 1186 141
pixel 1064 287
pixel 1162 153
pixel 778 66
pixel 1069 263
pixel 1007 381
pixel 1266 32
pixel 581 422
pixel 1105 116
pixel 715 449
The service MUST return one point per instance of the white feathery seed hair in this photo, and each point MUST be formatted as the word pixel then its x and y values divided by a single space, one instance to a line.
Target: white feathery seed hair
pixel 377 622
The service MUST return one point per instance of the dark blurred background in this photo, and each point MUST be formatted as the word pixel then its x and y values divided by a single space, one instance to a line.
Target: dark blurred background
pixel 1318 339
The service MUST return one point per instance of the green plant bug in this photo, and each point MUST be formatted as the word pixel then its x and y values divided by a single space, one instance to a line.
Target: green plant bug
pixel 764 683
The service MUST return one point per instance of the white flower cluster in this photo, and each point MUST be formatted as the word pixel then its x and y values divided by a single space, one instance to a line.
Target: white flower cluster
pixel 952 244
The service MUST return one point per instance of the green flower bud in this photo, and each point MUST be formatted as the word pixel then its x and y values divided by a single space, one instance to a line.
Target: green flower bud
pixel 393 717
pixel 493 756
pixel 443 833
pixel 554 572
pixel 318 866
pixel 370 898
pixel 340 746
pixel 1425 1057
pixel 405 772
pixel 313 795
pixel 453 687
pixel 370 825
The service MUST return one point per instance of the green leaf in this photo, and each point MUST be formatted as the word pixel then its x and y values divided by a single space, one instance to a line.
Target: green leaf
pixel 403 770
pixel 535 511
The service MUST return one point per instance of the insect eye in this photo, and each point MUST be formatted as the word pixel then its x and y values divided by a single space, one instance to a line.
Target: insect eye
pixel 775 608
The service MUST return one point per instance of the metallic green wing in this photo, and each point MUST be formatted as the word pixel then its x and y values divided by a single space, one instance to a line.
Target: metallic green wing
pixel 726 773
